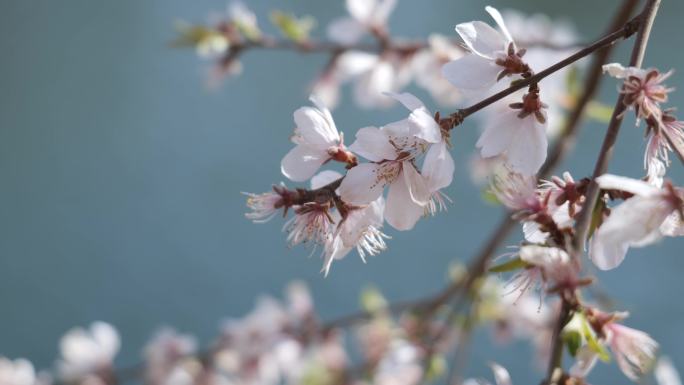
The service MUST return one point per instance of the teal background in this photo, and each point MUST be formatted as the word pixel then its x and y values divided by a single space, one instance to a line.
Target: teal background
pixel 120 179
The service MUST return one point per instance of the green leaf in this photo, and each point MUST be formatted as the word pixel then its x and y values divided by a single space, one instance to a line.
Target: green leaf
pixel 596 217
pixel 573 340
pixel 572 82
pixel 599 111
pixel 593 343
pixel 510 265
pixel 293 28
pixel 193 35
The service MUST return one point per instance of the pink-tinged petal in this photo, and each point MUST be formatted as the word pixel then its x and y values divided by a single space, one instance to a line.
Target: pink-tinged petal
pixel 527 151
pixel 346 30
pixel 361 10
pixel 364 183
pixel 471 72
pixel 401 212
pixel 354 63
pixel 398 129
pixel 302 162
pixel 324 178
pixel 373 144
pixel 621 183
pixel 416 184
pixel 494 13
pixel 438 167
pixel 482 39
pixel 498 134
pixel 315 127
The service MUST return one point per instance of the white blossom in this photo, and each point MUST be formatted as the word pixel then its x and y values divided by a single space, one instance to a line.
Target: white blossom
pixel 366 16
pixel 666 373
pixel 85 352
pixel 489 49
pixel 636 222
pixel 427 64
pixel 317 141
pixel 635 351
pixel 17 372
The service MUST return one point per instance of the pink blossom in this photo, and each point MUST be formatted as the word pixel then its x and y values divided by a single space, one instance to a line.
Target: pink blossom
pixel 642 88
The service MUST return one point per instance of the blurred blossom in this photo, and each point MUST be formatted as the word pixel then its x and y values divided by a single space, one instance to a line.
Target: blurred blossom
pixel 166 349
pixel 17 372
pixel 366 16
pixel 88 351
pixel 427 64
pixel 666 373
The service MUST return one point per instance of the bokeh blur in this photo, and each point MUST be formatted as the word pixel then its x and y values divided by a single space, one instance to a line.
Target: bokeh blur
pixel 121 176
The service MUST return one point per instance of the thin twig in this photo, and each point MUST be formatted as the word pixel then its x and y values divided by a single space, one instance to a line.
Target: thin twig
pixel 606 153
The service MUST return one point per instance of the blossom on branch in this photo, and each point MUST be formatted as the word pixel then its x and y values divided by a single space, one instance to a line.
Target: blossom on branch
pixel 642 88
pixel 641 220
pixel 366 16
pixel 88 352
pixel 493 56
pixel 317 142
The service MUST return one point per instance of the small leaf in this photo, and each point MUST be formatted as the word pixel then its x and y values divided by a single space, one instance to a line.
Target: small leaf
pixel 596 217
pixel 293 28
pixel 510 265
pixel 572 82
pixel 573 340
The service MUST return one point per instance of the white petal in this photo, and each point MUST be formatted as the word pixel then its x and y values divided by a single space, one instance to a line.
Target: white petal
pixel 438 167
pixel 527 151
pixel 333 250
pixel 423 125
pixel 633 223
pixel 107 338
pixel 498 134
pixel 415 183
pixel 501 375
pixel 316 127
pixel 362 183
pixel 402 212
pixel 585 360
pixel 634 186
pixel 354 63
pixel 533 233
pixel 361 10
pixel 373 144
pixel 369 90
pixel 302 162
pixel 665 372
pixel 482 39
pixel 324 178
pixel 410 101
pixel 494 13
pixel 346 30
pixel 471 72
pixel 615 70
pixel 673 226
pixel 383 9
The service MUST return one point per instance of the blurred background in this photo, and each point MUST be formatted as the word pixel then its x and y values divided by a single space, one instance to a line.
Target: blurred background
pixel 121 173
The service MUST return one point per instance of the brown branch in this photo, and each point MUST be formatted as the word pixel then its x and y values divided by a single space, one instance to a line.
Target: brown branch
pixel 606 153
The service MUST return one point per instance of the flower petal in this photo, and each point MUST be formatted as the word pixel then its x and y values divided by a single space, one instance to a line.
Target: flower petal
pixel 401 211
pixel 354 63
pixel 364 183
pixel 302 162
pixel 315 127
pixel 415 183
pixel 471 72
pixel 527 151
pixel 494 13
pixel 361 10
pixel 482 39
pixel 346 30
pixel 438 167
pixel 373 144
pixel 498 134
pixel 621 183
pixel 324 178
